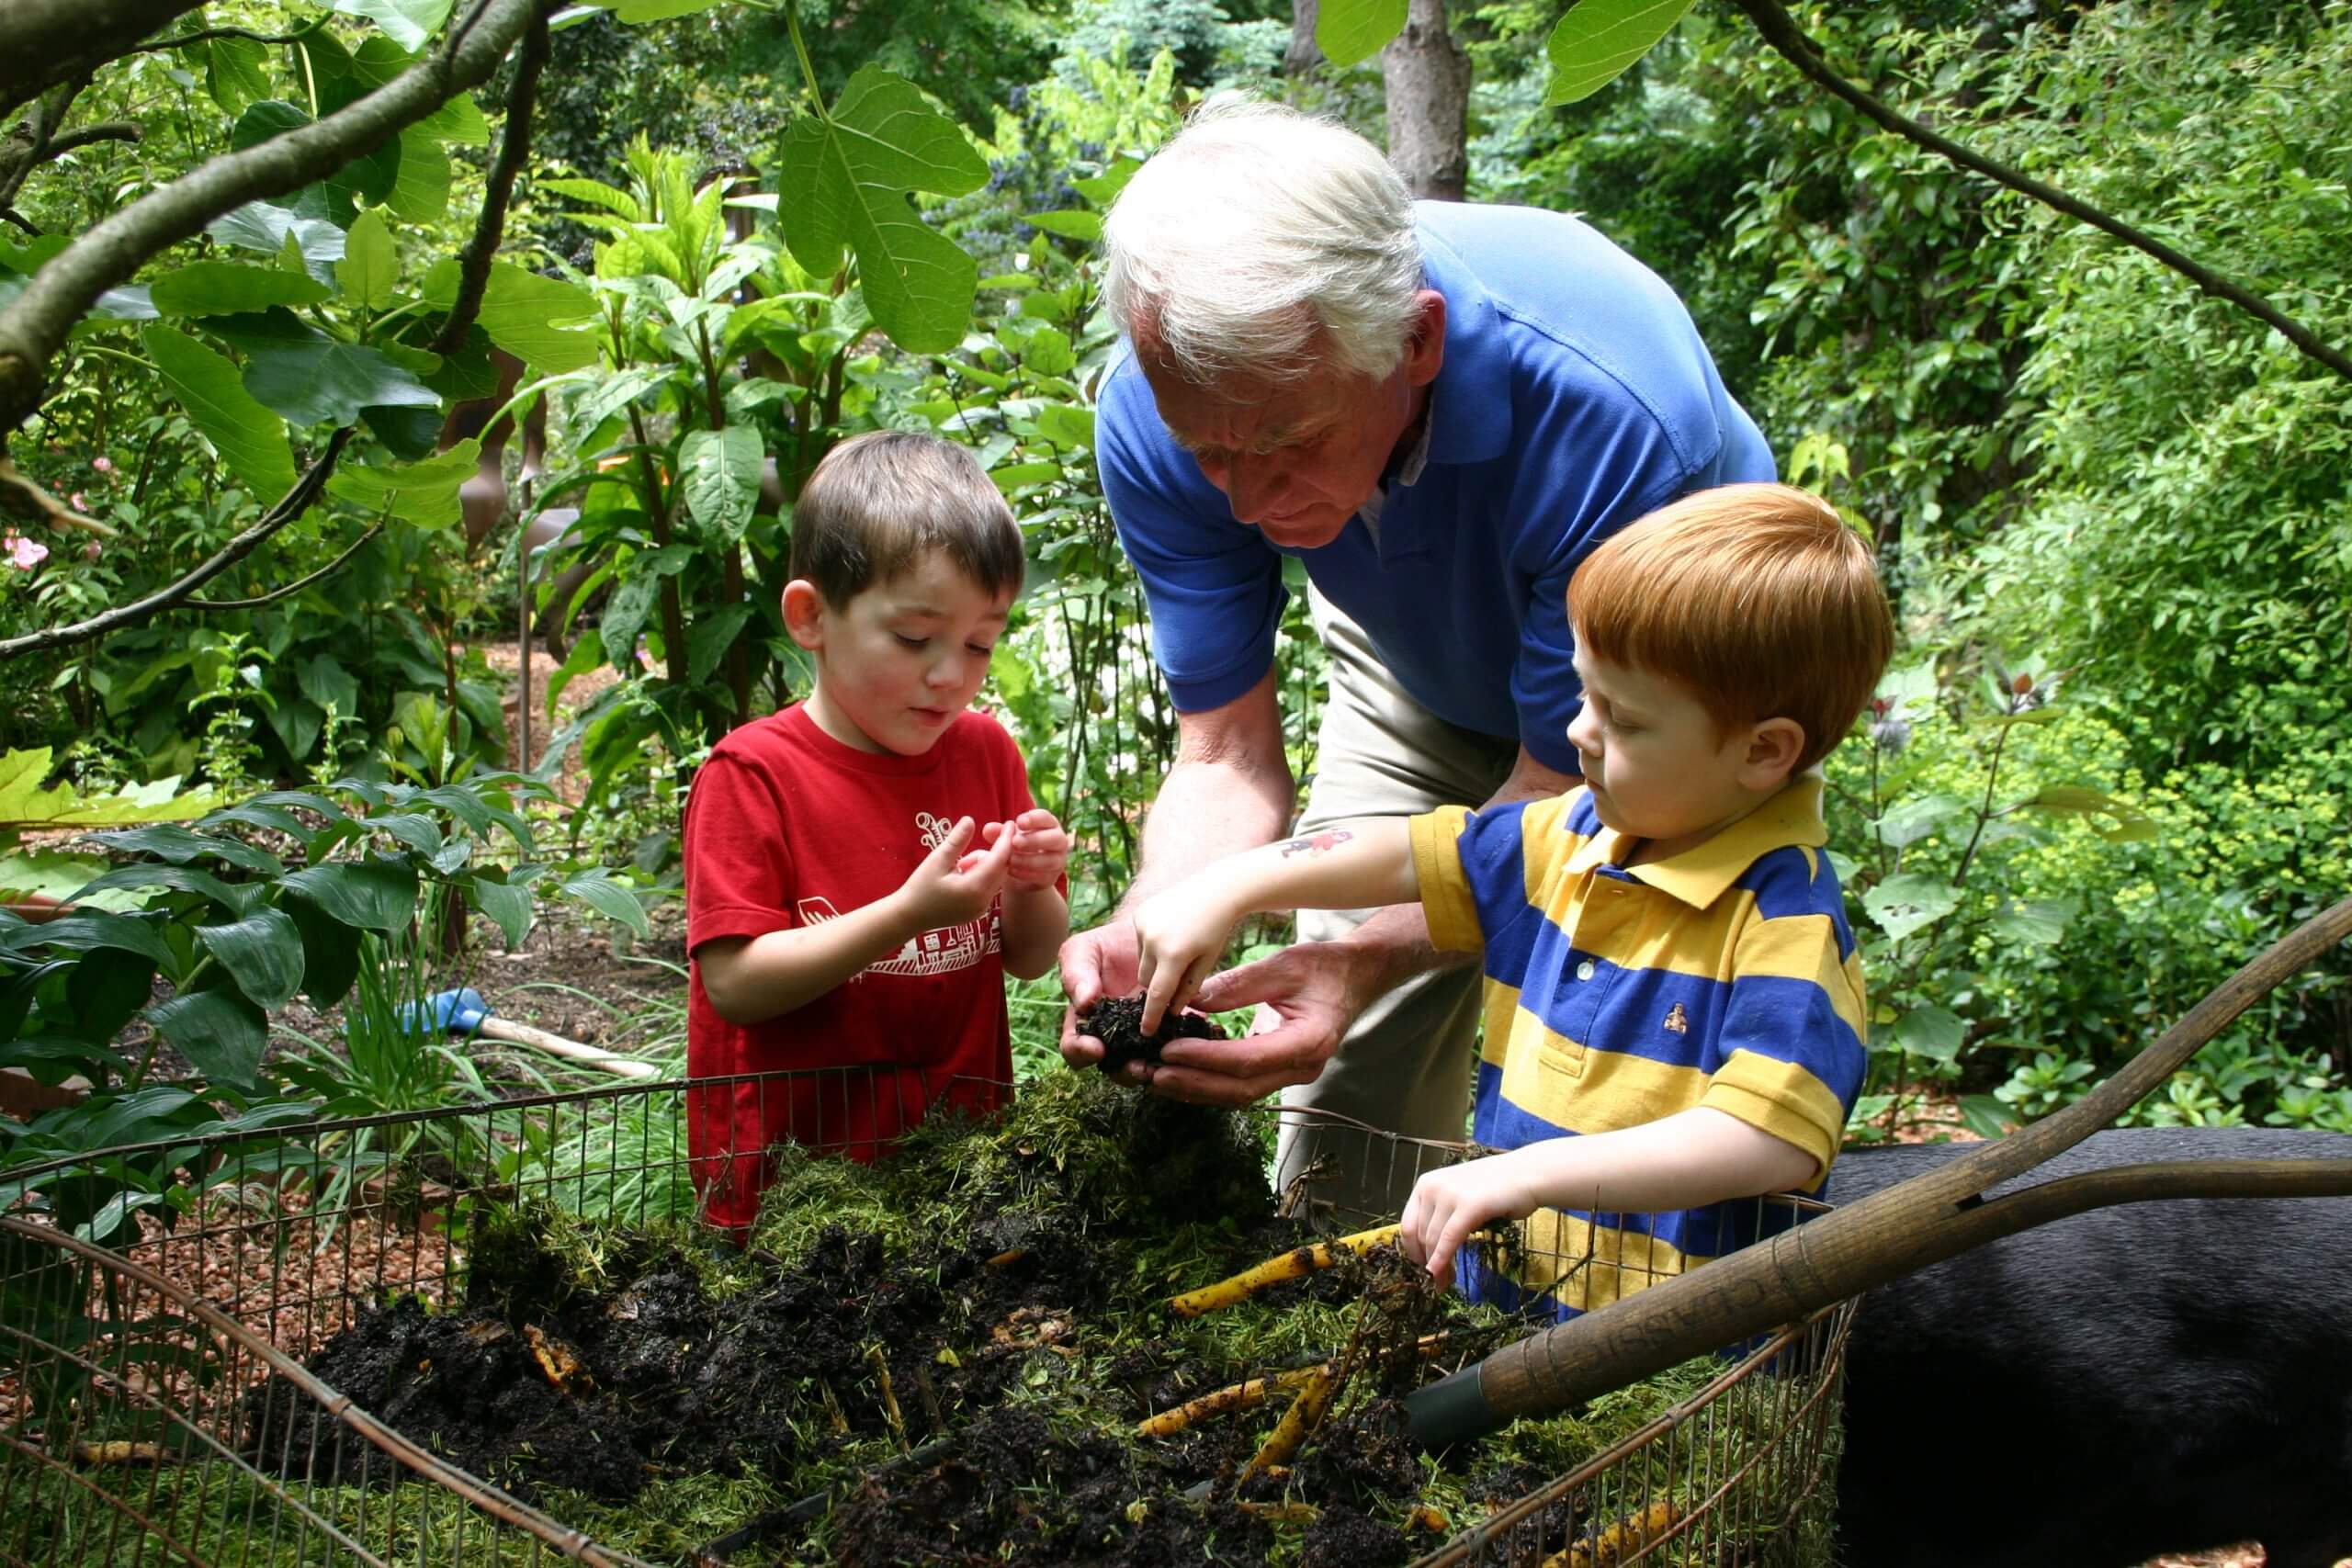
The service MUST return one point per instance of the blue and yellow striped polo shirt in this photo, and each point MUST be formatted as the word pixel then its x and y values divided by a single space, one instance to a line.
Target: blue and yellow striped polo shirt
pixel 1723 977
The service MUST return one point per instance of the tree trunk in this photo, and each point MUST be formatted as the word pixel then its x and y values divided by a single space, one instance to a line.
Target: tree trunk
pixel 1429 104
pixel 1302 56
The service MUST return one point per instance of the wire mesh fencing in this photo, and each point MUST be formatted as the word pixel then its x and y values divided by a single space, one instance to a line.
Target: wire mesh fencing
pixel 155 1407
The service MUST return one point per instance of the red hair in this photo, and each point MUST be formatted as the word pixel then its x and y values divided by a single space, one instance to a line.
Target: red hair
pixel 1757 598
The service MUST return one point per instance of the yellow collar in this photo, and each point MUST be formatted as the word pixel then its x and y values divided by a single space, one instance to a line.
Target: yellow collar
pixel 1704 872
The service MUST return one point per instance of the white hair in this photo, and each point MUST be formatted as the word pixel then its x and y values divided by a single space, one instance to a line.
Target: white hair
pixel 1252 227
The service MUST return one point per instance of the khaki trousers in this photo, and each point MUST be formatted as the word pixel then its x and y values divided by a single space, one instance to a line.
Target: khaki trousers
pixel 1407 1064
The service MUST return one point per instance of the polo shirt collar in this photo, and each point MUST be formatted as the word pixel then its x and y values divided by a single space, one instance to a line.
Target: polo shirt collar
pixel 1469 419
pixel 1704 873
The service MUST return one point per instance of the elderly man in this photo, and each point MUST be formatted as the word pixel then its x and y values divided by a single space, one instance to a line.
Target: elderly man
pixel 1440 409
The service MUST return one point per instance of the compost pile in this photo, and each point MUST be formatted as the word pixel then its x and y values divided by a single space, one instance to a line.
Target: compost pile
pixel 943 1357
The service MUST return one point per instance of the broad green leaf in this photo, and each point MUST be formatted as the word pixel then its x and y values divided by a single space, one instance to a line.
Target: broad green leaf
pixel 459 121
pixel 721 471
pixel 378 895
pixel 24 804
pixel 1072 224
pixel 508 906
pixel 1931 1031
pixel 330 953
pixel 87 932
pixel 220 289
pixel 1048 351
pixel 234 898
pixel 623 617
pixel 2118 821
pixel 636 12
pixel 1066 425
pixel 29 876
pixel 326 681
pixel 107 989
pixel 1013 476
pixel 613 900
pixel 597 193
pixel 296 721
pixel 604 399
pixel 1104 189
pixel 1904 903
pixel 407 23
pixel 409 434
pixel 520 309
pixel 1354 30
pixel 424 494
pixel 1913 819
pixel 257 226
pixel 219 1032
pixel 420 193
pixel 370 265
pixel 1598 41
pixel 329 383
pixel 1986 1116
pixel 2037 922
pixel 179 846
pixel 236 73
pixel 845 184
pixel 263 953
pixel 250 439
pixel 712 636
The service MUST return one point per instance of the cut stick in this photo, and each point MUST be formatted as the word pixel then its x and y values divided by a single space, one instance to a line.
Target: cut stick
pixel 1607 1548
pixel 1322 1385
pixel 1240 1396
pixel 496 1028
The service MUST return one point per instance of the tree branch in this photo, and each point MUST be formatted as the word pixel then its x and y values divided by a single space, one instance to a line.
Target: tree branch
pixel 44 43
pixel 208 34
pixel 1780 30
pixel 105 130
pixel 34 327
pixel 292 588
pixel 514 151
pixel 292 504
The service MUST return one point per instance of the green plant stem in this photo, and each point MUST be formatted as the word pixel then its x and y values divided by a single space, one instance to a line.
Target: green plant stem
pixel 1984 812
pixel 808 71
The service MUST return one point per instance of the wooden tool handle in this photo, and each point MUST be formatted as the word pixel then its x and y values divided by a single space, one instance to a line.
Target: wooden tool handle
pixel 556 1046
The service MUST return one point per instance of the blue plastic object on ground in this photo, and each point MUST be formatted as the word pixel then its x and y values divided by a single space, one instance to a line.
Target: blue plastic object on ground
pixel 461 1011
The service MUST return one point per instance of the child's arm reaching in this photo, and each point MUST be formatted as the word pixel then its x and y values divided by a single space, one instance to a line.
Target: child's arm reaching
pixel 1684 1161
pixel 1181 931
pixel 752 979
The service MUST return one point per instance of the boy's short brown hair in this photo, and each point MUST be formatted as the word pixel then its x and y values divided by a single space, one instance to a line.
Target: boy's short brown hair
pixel 881 501
pixel 1756 597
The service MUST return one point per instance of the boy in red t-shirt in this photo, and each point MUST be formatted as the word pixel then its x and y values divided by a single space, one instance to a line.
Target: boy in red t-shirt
pixel 862 868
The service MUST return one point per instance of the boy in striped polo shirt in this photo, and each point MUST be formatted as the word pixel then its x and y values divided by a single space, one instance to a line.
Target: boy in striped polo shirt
pixel 1674 1018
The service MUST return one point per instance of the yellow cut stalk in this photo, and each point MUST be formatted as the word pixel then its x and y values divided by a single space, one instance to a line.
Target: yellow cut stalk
pixel 1295 1264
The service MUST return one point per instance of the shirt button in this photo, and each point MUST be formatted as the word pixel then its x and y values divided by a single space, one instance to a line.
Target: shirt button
pixel 1584 970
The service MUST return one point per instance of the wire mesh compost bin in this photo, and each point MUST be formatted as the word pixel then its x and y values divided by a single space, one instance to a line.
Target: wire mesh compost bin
pixel 248 1354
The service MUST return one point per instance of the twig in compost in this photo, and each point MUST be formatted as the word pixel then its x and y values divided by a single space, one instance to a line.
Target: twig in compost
pixel 1322 1386
pixel 890 1396
pixel 1242 1396
pixel 1300 1513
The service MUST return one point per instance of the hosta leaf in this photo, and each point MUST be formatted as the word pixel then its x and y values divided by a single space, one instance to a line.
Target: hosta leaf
pixel 1598 40
pixel 263 953
pixel 219 1032
pixel 249 437
pixel 845 184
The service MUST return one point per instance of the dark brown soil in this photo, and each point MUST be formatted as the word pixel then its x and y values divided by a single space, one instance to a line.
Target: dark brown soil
pixel 1115 1020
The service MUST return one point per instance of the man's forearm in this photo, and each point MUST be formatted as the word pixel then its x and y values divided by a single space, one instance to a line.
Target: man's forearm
pixel 1205 811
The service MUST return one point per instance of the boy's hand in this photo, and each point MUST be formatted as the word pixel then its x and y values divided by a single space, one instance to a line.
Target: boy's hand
pixel 951 886
pixel 1040 847
pixel 1180 935
pixel 1448 1204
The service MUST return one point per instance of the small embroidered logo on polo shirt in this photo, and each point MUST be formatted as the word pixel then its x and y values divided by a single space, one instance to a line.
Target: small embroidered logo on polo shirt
pixel 1677 1020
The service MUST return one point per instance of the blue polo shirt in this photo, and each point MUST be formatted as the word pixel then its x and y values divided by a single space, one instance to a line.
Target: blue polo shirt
pixel 1723 977
pixel 1574 397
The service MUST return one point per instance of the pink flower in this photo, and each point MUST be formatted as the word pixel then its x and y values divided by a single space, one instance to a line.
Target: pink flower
pixel 103 465
pixel 78 503
pixel 23 554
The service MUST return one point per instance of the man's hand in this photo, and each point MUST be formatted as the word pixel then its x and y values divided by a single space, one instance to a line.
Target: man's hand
pixel 1097 963
pixel 1180 935
pixel 1449 1203
pixel 1308 996
pixel 951 886
pixel 1040 847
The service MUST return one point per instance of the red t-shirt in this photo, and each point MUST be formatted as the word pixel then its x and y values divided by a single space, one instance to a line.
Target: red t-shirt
pixel 784 827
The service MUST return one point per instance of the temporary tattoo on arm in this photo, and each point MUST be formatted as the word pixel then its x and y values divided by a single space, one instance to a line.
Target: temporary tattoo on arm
pixel 1318 843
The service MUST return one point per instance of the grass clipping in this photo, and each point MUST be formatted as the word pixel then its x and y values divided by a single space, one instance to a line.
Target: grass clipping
pixel 968 1350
